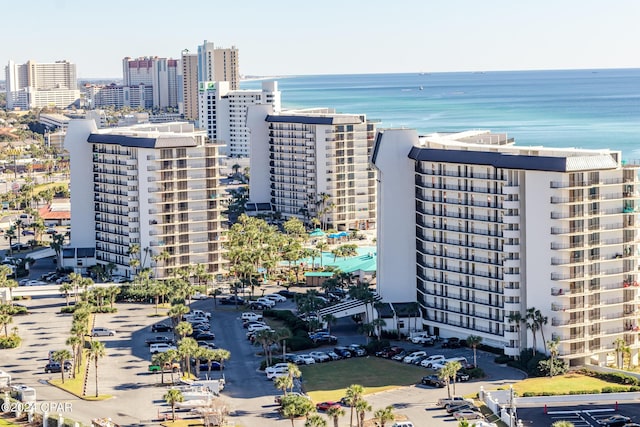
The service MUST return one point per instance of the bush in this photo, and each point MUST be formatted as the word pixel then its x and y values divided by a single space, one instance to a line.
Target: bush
pixel 376 345
pixel 615 389
pixel 490 349
pixel 296 343
pixel 502 359
pixel 613 377
pixel 68 310
pixel 475 373
pixel 12 341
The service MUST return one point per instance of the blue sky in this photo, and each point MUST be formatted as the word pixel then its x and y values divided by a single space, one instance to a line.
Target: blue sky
pixel 287 37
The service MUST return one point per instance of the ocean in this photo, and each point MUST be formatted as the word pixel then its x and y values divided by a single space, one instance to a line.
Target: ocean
pixel 560 108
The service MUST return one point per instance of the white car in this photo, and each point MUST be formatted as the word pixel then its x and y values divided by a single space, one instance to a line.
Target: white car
pixel 413 356
pixel 250 315
pixel 276 297
pixel 266 302
pixel 319 356
pixel 307 359
pixel 102 332
pixel 161 348
pixel 35 283
pixel 432 360
pixel 276 367
pixel 278 372
pixel 257 327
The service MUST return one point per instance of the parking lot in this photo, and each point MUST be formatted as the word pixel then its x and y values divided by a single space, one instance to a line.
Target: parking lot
pixel 580 415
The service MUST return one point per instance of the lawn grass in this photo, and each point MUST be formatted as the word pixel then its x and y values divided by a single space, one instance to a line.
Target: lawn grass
pixel 562 384
pixel 74 386
pixel 329 381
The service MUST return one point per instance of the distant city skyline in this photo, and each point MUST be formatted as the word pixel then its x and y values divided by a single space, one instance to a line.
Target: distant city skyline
pixel 286 37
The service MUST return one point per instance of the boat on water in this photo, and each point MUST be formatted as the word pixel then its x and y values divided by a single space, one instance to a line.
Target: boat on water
pixel 421 88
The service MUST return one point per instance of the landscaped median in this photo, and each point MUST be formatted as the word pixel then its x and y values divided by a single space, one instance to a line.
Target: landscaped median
pixel 324 382
pixel 577 382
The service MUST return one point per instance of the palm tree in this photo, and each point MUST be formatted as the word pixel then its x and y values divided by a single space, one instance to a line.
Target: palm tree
pixel 74 341
pixel 65 289
pixel 336 412
pixel 619 345
pixel 453 368
pixel 173 396
pixel 5 282
pixel 5 320
pixel 445 375
pixel 295 406
pixel 61 356
pixel 183 329
pixel 186 348
pixel 532 325
pixel 362 407
pixel 542 321
pixel 161 359
pixel 553 352
pixel 385 415
pixel 176 312
pixel 284 383
pixel 474 341
pixel 516 317
pixel 322 246
pixel 315 420
pixel 353 394
pixel 330 319
pixel 95 353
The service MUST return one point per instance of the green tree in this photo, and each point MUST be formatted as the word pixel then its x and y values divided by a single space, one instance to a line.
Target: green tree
pixel 183 329
pixel 187 348
pixel 532 324
pixel 445 375
pixel 65 289
pixel 362 407
pixel 61 356
pixel 541 321
pixel 161 359
pixel 5 320
pixel 353 394
pixel 6 282
pixel 335 412
pixel 295 406
pixel 619 345
pixel 176 312
pixel 96 352
pixel 474 341
pixel 385 415
pixel 517 319
pixel 315 420
pixel 284 383
pixel 57 242
pixel 173 396
pixel 74 341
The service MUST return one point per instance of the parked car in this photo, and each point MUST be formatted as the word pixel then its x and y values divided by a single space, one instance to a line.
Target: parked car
pixel 389 352
pixel 333 355
pixel 102 332
pixel 462 377
pixel 293 358
pixel 616 420
pixel 204 336
pixel 433 380
pixel 161 327
pixel 357 350
pixel 276 297
pixel 431 360
pixel 277 366
pixel 413 356
pixel 250 315
pixel 400 355
pixel 452 343
pixel 248 323
pixel 324 406
pixel 161 348
pixel 167 367
pixel 204 365
pixel 319 356
pixel 231 300
pixel 468 414
pixel 255 305
pixel 464 407
pixel 443 402
pixel 266 302
pixel 307 359
pixel 27 233
pixel 158 339
pixel 286 293
pixel 323 338
pixel 279 372
pixel 56 368
pixel 342 352
pixel 257 327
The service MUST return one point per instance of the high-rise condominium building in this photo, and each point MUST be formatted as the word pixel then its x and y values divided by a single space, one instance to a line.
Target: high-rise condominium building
pixel 159 73
pixel 210 64
pixel 223 112
pixel 118 96
pixel 217 64
pixel 480 232
pixel 39 85
pixel 313 164
pixel 155 187
pixel 188 78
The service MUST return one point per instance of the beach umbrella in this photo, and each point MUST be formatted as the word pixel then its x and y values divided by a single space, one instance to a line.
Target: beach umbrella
pixel 317 233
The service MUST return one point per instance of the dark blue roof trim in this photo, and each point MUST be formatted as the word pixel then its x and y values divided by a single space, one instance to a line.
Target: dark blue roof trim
pixel 376 146
pixel 307 120
pixel 126 141
pixel 484 158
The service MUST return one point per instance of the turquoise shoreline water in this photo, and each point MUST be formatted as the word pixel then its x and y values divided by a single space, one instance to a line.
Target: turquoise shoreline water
pixel 568 108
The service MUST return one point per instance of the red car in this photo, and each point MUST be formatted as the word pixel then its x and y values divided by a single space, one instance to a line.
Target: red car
pixel 323 406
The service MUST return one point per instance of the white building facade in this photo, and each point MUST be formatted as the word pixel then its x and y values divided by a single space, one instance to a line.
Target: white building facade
pixel 478 231
pixel 155 186
pixel 39 85
pixel 159 74
pixel 223 112
pixel 314 164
